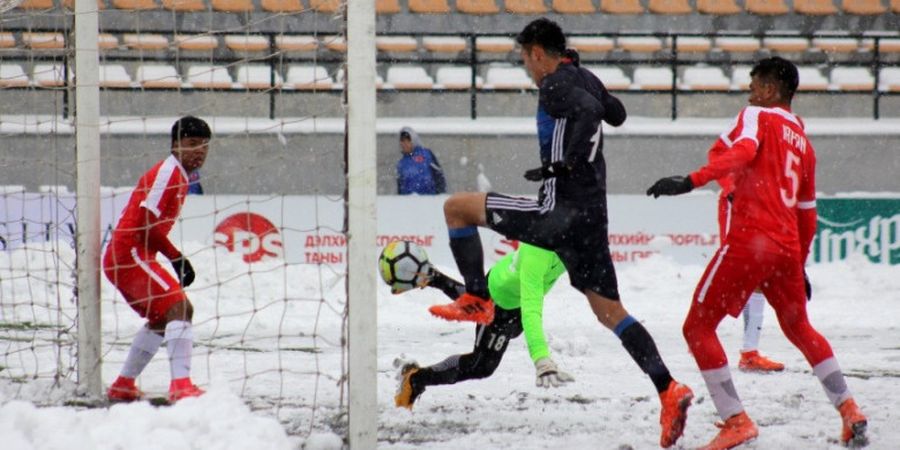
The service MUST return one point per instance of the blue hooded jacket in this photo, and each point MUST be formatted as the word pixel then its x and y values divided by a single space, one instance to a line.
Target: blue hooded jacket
pixel 419 171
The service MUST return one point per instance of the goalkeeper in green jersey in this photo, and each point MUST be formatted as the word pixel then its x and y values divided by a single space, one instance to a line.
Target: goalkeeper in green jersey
pixel 517 284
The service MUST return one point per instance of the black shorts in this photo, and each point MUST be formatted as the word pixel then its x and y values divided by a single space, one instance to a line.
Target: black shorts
pixel 578 235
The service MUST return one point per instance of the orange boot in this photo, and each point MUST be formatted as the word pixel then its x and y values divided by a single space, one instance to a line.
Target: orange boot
pixel 752 361
pixel 737 430
pixel 182 388
pixel 467 307
pixel 675 402
pixel 124 390
pixel 853 433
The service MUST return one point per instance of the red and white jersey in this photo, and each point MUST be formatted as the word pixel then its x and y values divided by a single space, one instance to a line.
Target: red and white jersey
pixel 767 162
pixel 153 207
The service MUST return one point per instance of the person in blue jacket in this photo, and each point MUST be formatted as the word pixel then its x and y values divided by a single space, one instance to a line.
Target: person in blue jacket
pixel 418 170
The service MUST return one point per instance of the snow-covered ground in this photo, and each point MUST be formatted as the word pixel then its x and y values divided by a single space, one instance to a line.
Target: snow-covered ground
pixel 269 351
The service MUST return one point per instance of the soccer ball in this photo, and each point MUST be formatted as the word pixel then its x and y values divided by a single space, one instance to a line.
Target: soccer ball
pixel 6 5
pixel 404 265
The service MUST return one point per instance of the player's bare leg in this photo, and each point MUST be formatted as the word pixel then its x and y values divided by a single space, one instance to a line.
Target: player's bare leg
pixel 674 397
pixel 179 338
pixel 464 212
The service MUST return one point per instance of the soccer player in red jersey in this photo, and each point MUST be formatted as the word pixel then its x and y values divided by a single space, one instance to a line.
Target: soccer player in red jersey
pixel 772 226
pixel 130 264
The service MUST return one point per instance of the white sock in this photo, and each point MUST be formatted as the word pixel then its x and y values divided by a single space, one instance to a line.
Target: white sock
pixel 143 348
pixel 829 374
pixel 179 343
pixel 753 319
pixel 721 389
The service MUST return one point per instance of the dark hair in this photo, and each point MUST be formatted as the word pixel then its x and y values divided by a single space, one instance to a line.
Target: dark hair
pixel 405 135
pixel 573 57
pixel 780 71
pixel 543 32
pixel 190 126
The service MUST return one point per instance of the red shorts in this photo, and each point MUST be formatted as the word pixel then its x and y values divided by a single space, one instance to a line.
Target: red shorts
pixel 147 287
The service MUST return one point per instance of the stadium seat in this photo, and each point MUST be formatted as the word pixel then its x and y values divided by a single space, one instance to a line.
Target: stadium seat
pixel 205 76
pixel 339 77
pixel 47 41
pixel 494 44
pixel 612 77
pixel 36 4
pixel 815 7
pixel 7 40
pixel 574 6
pixel 640 44
pixel 308 78
pixel 591 44
pixel 718 7
pixel 145 41
pixel 835 44
pixel 895 6
pixel 525 6
pixel 232 6
pixel 114 75
pixel 692 44
pixel 106 41
pixel 429 6
pixel 653 78
pixel 456 78
pixel 478 7
pixel 408 77
pixel 852 79
pixel 184 5
pixel 48 75
pixel 786 44
pixel 397 44
pixel 281 6
pixel 296 43
pixel 387 6
pixel 335 43
pixel 740 78
pixel 863 7
pixel 247 43
pixel 444 44
pixel 137 5
pixel 157 76
pixel 737 44
pixel 669 7
pixel 325 6
pixel 889 79
pixel 507 78
pixel 621 7
pixel 257 76
pixel 766 7
pixel 811 79
pixel 705 79
pixel 12 75
pixel 196 42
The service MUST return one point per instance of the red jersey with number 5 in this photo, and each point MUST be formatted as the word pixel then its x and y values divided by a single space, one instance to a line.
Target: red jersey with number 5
pixel 767 156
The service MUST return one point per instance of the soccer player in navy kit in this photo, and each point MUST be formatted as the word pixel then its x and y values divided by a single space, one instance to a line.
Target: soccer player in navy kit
pixel 569 215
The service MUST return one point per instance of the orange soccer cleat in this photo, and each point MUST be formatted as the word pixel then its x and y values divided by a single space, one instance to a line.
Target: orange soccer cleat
pixel 752 361
pixel 124 390
pixel 737 430
pixel 675 402
pixel 407 392
pixel 467 307
pixel 853 433
pixel 183 388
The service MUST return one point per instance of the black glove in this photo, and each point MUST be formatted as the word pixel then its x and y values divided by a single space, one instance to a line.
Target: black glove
pixel 183 270
pixel 557 169
pixel 676 185
pixel 807 285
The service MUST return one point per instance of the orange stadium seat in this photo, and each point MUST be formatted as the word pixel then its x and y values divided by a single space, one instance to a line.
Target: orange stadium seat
pixel 398 44
pixel 640 44
pixel 718 7
pixel 573 6
pixel 836 44
pixel 525 6
pixel 184 5
pixel 766 7
pixel 444 44
pixel 429 6
pixel 591 44
pixel 895 6
pixel 495 44
pixel 335 43
pixel 12 75
pixel 157 76
pixel 134 4
pixel 36 4
pixel 106 41
pixel 692 44
pixel 737 44
pixel 44 40
pixel 387 6
pixel 670 7
pixel 7 40
pixel 863 7
pixel 815 7
pixel 196 42
pixel 146 41
pixel 621 7
pixel 786 44
pixel 281 6
pixel 247 43
pixel 296 43
pixel 478 7
pixel 325 6
pixel 234 6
